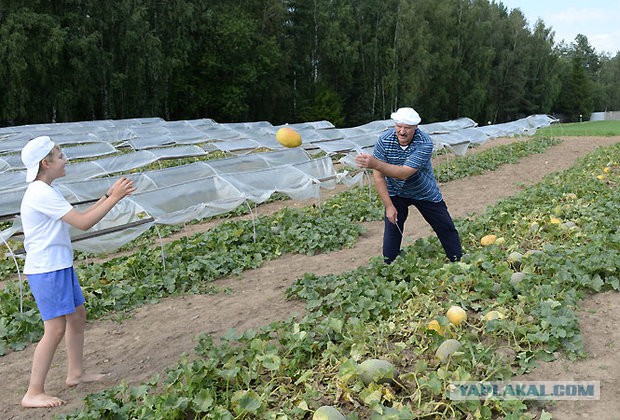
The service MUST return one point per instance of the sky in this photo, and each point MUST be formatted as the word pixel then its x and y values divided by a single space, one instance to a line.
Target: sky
pixel 598 20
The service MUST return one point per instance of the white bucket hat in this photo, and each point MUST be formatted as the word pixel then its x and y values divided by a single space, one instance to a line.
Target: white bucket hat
pixel 33 153
pixel 406 116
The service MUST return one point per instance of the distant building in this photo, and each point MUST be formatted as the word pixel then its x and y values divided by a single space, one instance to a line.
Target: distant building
pixel 605 116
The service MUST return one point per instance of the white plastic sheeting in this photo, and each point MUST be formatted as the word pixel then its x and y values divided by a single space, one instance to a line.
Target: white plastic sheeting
pixel 165 139
pixel 106 166
pixel 82 181
pixel 184 193
pixel 258 168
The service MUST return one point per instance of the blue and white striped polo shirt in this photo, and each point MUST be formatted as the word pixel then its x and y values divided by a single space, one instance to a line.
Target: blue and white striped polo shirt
pixel 421 185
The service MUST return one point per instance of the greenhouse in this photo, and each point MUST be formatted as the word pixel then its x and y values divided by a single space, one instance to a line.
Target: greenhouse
pixel 255 166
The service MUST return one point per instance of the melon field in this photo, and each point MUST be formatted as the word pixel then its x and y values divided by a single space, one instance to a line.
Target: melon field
pixel 274 316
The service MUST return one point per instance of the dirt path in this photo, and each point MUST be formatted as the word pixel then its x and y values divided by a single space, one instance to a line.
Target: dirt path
pixel 135 349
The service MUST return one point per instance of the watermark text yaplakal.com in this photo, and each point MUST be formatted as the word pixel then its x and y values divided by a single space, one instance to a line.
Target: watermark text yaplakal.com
pixel 525 390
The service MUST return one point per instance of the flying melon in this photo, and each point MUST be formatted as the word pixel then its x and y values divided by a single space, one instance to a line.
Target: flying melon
pixel 288 137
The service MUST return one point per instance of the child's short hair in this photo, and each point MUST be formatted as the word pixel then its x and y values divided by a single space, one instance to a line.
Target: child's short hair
pixel 33 153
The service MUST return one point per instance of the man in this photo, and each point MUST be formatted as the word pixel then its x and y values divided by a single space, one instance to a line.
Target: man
pixel 403 176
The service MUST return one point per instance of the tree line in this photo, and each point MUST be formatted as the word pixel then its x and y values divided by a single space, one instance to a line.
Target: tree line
pixel 346 61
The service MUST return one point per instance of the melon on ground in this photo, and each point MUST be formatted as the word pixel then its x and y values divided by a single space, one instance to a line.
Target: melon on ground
pixel 376 370
pixel 488 240
pixel 517 278
pixel 456 315
pixel 327 412
pixel 447 349
pixel 435 326
pixel 492 315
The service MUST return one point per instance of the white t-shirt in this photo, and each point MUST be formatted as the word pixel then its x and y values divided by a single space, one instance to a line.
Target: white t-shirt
pixel 46 236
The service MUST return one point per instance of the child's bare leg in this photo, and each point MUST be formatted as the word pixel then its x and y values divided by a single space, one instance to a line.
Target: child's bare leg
pixel 54 330
pixel 74 340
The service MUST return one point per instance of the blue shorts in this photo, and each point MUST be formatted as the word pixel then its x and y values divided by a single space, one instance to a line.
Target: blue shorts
pixel 57 293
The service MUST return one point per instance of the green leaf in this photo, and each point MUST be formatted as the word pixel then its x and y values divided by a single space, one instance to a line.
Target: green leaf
pixel 271 361
pixel 203 400
pixel 597 283
pixel 336 324
pixel 246 402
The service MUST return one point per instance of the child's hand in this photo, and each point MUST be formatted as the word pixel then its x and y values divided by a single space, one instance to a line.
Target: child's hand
pixel 121 188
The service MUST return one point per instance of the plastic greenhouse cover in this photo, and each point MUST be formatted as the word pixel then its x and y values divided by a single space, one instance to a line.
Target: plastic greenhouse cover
pixel 184 193
pixel 258 161
pixel 352 143
pixel 6 163
pixel 284 157
pixel 15 143
pixel 321 171
pixel 237 144
pixel 108 165
pixel 88 150
pixel 123 213
pixel 448 126
pixel 80 190
pixel 325 139
pixel 187 201
pixel 213 195
pixel 260 185
pixel 207 188
pixel 316 125
pixel 175 175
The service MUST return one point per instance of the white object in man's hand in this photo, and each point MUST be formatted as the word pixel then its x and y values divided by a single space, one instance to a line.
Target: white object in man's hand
pixel 364 160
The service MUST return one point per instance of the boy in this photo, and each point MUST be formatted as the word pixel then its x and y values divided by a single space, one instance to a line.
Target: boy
pixel 46 217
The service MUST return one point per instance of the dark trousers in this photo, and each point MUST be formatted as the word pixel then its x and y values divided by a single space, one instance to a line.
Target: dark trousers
pixel 437 216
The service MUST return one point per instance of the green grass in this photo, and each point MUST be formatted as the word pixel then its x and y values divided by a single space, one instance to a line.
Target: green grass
pixel 589 128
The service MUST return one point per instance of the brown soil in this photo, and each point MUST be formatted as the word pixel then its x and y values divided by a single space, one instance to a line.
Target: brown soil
pixel 156 336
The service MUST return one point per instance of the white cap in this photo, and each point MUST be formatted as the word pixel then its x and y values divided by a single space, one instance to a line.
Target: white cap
pixel 406 116
pixel 33 153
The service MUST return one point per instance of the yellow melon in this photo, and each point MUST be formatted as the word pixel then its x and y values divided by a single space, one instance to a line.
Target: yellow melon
pixel 488 240
pixel 435 326
pixel 288 137
pixel 456 315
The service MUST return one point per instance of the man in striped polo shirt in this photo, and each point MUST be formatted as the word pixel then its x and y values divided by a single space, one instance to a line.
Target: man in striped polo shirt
pixel 403 176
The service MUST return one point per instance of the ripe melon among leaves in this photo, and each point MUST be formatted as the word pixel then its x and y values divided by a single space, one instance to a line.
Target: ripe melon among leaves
pixel 456 315
pixel 435 326
pixel 488 240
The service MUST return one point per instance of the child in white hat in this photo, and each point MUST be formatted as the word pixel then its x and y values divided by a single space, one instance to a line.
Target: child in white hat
pixel 46 216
